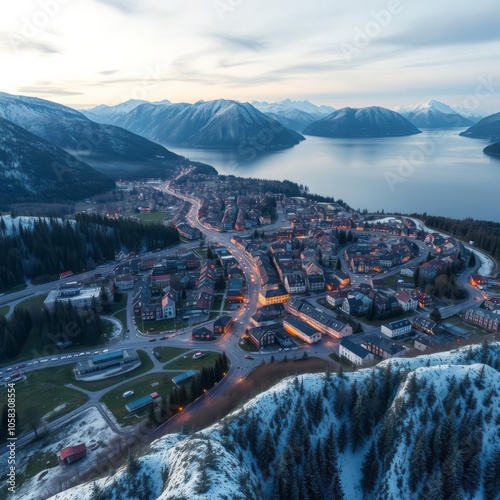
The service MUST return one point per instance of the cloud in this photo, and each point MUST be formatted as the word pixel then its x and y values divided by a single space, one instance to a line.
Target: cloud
pixel 125 6
pixel 240 42
pixel 47 91
pixel 17 43
pixel 108 72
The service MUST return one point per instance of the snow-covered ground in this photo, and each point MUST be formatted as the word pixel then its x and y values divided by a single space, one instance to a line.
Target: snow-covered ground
pixel 23 221
pixel 217 463
pixel 87 427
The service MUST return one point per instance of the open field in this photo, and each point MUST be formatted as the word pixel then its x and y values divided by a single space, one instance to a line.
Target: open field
pixel 188 363
pixel 153 382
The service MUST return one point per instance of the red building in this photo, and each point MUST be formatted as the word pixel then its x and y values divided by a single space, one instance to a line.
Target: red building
pixel 72 453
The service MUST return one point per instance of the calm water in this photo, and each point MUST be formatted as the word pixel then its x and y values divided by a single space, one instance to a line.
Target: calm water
pixel 436 172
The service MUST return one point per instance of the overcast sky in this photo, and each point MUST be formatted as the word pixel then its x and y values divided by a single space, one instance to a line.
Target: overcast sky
pixel 337 52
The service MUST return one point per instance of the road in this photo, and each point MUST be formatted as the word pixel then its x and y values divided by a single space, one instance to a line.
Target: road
pixel 240 366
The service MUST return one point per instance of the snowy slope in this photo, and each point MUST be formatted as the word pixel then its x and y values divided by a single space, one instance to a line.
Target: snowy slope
pixel 433 422
pixel 32 170
pixel 113 115
pixel 296 115
pixel 110 149
pixel 433 114
pixel 473 114
pixel 220 123
pixel 364 122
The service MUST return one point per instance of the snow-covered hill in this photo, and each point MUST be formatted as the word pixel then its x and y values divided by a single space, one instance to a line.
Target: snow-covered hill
pixel 110 149
pixel 426 427
pixel 433 114
pixel 373 121
pixel 33 170
pixel 296 115
pixel 220 123
pixel 113 115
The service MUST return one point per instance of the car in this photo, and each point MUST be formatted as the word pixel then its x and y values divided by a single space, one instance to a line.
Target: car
pixel 36 362
pixel 127 394
pixel 87 353
pixel 43 360
pixel 105 351
pixel 164 337
pixel 8 379
pixel 30 364
pixel 152 340
pixel 247 356
pixel 53 359
pixel 69 356
pixel 96 352
pixel 22 365
pixel 82 354
pixel 9 369
pixel 63 357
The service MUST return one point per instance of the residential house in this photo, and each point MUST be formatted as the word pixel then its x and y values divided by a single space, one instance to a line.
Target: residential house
pixel 406 301
pixel 273 295
pixel 355 353
pixel 301 329
pixel 382 347
pixel 222 324
pixel 485 319
pixel 295 283
pixel 396 328
pixel 424 325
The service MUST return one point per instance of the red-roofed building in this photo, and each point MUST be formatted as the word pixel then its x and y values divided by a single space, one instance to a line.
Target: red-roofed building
pixel 72 453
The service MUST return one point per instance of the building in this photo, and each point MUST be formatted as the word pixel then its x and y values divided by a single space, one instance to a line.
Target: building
pixel 263 336
pixel 183 378
pixel 222 325
pixel 424 325
pixel 319 318
pixel 72 453
pixel 295 283
pixel 485 319
pixel 396 328
pixel 355 353
pixel 168 306
pixel 141 403
pixel 80 297
pixel 202 333
pixel 107 362
pixel 125 282
pixel 383 347
pixel 275 295
pixel 406 301
pixel 301 329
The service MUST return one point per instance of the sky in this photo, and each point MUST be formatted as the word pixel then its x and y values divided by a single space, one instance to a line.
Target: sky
pixel 83 53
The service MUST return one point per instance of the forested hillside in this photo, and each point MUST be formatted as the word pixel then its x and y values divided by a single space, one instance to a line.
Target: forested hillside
pixel 50 246
pixel 420 428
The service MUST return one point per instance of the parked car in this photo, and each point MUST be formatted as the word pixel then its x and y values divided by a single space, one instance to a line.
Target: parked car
pixel 248 356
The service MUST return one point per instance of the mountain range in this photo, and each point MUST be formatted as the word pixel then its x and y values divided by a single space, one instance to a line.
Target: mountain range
pixel 32 169
pixel 218 124
pixel 424 427
pixel 433 114
pixel 296 115
pixel 111 150
pixel 373 121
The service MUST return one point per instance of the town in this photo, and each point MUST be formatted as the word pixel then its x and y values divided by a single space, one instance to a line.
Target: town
pixel 260 275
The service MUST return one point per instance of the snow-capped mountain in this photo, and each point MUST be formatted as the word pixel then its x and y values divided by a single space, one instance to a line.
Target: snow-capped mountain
pixel 110 149
pixel 373 121
pixel 488 128
pixel 433 114
pixel 33 170
pixel 112 115
pixel 473 114
pixel 425 427
pixel 296 115
pixel 220 124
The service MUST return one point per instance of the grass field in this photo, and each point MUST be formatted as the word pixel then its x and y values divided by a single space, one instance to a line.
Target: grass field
pixel 188 363
pixel 154 382
pixel 146 365
pixel 118 306
pixel 152 217
pixel 122 317
pixel 43 392
pixel 157 326
pixel 169 353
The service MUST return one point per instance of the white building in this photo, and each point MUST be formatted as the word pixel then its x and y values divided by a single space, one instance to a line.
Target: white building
pixel 355 353
pixel 406 301
pixel 79 297
pixel 396 328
